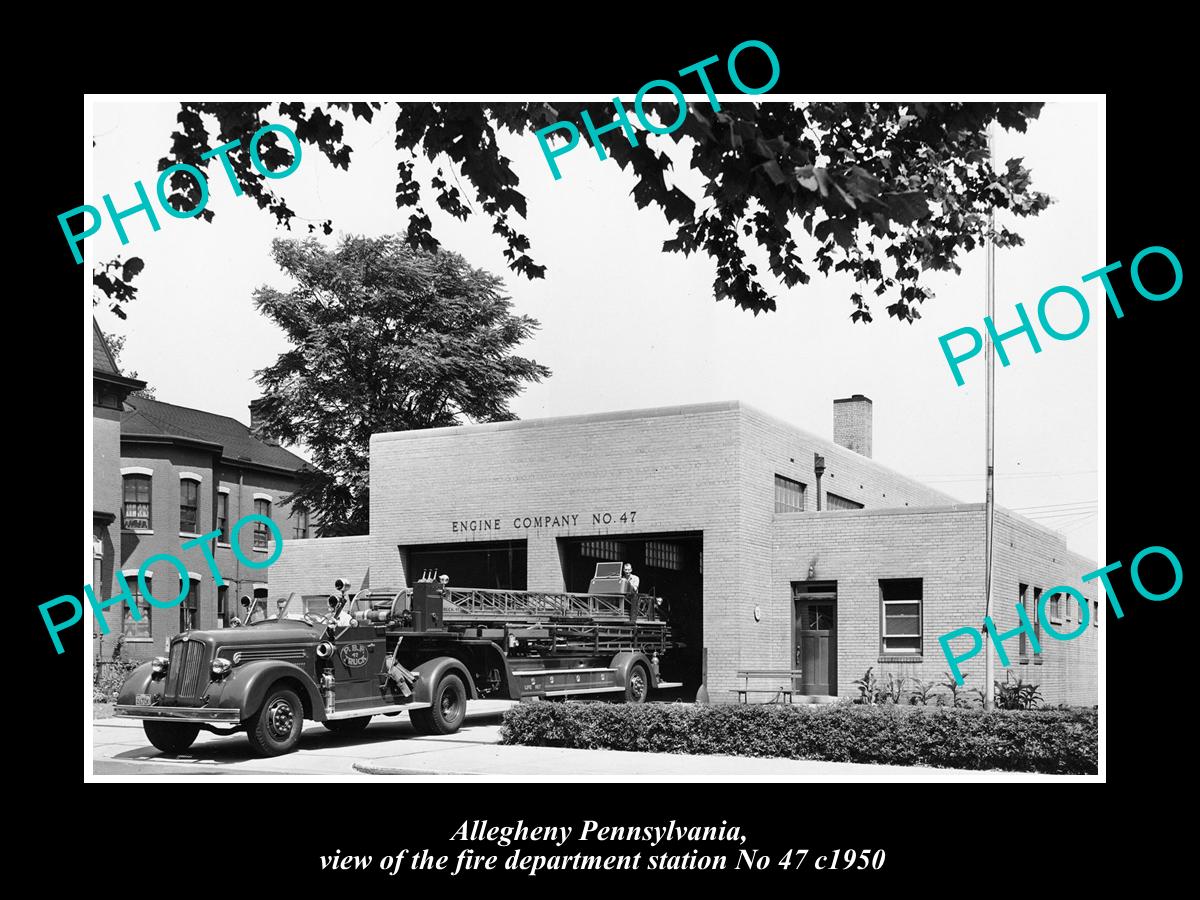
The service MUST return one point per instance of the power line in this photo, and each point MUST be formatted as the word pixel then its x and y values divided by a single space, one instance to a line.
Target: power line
pixel 950 477
pixel 1051 506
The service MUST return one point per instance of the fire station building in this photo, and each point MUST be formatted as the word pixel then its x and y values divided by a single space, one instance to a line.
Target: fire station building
pixel 773 549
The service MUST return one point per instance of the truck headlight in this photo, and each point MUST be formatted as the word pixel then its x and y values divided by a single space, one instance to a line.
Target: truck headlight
pixel 221 667
pixel 159 666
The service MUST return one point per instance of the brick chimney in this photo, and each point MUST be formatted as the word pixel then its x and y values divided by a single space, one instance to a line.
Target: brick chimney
pixel 852 424
pixel 256 423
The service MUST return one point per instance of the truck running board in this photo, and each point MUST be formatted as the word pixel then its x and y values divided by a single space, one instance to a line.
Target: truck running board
pixel 599 690
pixel 375 710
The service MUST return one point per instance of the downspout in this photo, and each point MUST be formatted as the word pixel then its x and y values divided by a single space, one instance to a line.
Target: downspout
pixel 819 466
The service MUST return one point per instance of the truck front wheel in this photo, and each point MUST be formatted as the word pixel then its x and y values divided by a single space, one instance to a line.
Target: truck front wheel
pixel 275 728
pixel 449 708
pixel 170 737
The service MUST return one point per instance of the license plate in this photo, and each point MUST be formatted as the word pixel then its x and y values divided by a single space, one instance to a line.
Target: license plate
pixel 142 700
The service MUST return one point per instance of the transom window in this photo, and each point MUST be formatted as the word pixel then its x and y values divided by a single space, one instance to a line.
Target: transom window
pixel 900 616
pixel 135 512
pixel 789 495
pixel 610 550
pixel 661 555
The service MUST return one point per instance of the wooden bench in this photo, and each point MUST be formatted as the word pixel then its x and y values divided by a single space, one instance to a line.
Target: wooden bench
pixel 783 677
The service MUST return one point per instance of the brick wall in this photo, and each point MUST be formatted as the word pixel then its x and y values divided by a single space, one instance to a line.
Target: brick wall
pixel 852 426
pixel 168 463
pixel 312 566
pixel 1027 553
pixel 706 468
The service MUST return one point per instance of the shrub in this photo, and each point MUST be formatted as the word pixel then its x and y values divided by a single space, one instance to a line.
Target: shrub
pixel 109 677
pixel 922 692
pixel 868 687
pixel 1060 740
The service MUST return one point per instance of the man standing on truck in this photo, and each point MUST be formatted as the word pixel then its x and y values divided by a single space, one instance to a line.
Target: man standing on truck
pixel 633 580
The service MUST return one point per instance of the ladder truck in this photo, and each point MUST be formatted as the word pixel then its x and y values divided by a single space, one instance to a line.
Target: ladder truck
pixel 425 650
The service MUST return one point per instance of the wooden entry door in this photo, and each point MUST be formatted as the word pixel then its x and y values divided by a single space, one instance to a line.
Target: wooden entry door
pixel 816 639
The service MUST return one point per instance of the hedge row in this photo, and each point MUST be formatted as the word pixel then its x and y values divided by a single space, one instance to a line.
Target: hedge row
pixel 1062 740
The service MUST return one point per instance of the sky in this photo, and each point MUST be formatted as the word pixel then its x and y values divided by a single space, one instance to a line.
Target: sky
pixel 626 326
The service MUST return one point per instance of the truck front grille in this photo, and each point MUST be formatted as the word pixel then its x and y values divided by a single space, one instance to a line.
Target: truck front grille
pixel 185 677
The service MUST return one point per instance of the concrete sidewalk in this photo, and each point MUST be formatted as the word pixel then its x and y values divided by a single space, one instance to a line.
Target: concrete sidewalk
pixel 515 763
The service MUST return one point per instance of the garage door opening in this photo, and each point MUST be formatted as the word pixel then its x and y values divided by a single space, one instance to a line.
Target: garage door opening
pixel 496 565
pixel 669 565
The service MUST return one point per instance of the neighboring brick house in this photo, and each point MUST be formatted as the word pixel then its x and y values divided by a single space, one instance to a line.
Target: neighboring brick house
pixel 181 473
pixel 773 548
pixel 109 390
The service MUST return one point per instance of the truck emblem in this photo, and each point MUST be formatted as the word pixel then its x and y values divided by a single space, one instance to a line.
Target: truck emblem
pixel 354 655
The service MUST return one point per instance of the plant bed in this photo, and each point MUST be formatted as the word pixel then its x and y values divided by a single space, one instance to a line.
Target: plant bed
pixel 1060 741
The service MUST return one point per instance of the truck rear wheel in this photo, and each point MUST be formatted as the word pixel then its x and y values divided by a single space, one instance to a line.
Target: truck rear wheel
pixel 637 685
pixel 448 710
pixel 275 727
pixel 348 726
pixel 170 737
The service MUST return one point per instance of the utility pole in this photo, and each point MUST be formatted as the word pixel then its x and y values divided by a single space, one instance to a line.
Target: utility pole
pixel 989 699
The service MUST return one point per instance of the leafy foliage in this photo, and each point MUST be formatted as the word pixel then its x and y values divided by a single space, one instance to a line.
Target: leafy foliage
pixel 1061 740
pixel 116 343
pixel 114 280
pixel 109 676
pixel 1017 694
pixel 868 687
pixel 384 338
pixel 892 690
pixel 922 692
pixel 885 191
pixel 956 689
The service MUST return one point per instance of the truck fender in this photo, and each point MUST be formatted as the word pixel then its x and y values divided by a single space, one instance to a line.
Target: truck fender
pixel 246 687
pixel 138 682
pixel 624 661
pixel 431 672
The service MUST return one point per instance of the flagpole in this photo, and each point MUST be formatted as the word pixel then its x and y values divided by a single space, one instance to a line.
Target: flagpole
pixel 990 415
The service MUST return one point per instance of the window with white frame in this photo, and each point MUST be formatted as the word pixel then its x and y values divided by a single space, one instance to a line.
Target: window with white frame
pixel 900 616
pixel 189 609
pixel 223 517
pixel 300 522
pixel 262 533
pixel 131 627
pixel 135 511
pixel 189 506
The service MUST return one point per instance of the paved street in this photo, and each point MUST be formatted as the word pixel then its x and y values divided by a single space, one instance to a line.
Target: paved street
pixel 390 747
pixel 121 749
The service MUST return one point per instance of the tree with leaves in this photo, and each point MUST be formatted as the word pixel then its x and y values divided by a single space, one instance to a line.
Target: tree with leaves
pixel 883 191
pixel 116 345
pixel 383 337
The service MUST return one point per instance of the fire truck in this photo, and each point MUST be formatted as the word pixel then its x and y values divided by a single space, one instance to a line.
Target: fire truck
pixel 425 651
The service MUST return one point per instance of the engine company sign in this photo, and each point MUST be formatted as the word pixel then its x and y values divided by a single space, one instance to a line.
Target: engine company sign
pixel 561 520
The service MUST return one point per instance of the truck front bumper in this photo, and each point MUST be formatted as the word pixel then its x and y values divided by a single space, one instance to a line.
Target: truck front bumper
pixel 179 713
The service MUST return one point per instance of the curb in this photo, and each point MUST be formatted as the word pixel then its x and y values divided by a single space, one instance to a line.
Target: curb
pixel 369 769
